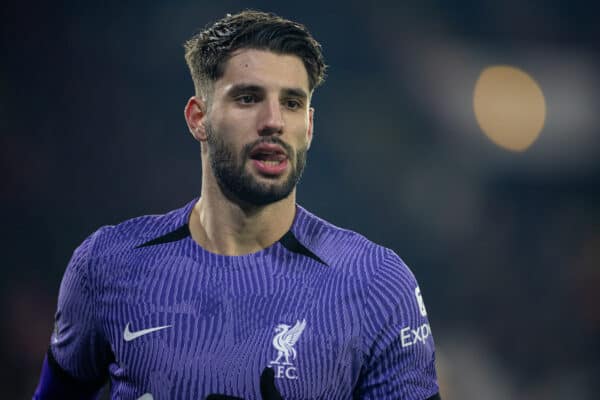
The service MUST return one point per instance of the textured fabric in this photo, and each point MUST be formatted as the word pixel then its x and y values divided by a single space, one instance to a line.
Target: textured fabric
pixel 56 385
pixel 171 319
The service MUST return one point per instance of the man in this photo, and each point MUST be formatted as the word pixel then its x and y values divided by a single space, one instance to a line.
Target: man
pixel 241 293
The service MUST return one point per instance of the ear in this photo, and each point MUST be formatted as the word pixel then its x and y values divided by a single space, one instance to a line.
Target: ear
pixel 311 113
pixel 195 116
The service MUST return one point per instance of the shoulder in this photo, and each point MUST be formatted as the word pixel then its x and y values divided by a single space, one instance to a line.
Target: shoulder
pixel 387 281
pixel 346 248
pixel 112 239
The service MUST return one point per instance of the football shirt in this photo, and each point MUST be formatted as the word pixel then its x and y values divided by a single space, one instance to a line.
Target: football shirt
pixel 335 315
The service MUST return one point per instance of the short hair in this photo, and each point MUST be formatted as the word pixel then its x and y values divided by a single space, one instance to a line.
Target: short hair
pixel 207 52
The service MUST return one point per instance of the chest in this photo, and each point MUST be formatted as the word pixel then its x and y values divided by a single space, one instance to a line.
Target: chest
pixel 176 325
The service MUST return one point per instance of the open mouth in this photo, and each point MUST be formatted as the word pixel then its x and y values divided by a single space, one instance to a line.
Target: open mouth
pixel 269 159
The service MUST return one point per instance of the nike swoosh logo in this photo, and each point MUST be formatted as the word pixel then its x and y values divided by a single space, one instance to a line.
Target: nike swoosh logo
pixel 128 335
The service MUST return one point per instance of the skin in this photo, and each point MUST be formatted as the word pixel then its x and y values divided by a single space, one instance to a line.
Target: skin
pixel 277 104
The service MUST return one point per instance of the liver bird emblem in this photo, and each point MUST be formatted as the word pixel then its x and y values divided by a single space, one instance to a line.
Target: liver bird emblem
pixel 285 339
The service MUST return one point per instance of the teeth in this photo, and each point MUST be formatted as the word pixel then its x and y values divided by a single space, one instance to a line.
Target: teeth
pixel 272 163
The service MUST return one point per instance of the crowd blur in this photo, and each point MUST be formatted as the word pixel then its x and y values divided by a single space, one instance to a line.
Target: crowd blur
pixel 506 245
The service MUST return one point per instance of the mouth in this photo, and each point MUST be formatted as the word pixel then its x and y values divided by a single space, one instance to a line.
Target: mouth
pixel 269 159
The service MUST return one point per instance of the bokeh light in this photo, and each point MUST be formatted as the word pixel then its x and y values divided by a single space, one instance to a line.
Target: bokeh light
pixel 509 106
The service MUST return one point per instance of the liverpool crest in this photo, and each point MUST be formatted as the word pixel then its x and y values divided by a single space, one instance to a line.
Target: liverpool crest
pixel 284 341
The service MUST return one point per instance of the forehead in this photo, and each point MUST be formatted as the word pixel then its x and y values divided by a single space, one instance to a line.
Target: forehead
pixel 263 68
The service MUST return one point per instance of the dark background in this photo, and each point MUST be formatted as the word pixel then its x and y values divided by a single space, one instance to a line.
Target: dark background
pixel 506 245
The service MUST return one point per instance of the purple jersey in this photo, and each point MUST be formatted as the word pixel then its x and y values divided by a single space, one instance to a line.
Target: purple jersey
pixel 332 313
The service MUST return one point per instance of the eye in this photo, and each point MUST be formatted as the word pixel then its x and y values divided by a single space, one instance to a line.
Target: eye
pixel 246 99
pixel 293 104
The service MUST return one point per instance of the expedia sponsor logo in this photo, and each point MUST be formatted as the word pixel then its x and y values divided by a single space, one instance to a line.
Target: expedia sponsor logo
pixel 410 336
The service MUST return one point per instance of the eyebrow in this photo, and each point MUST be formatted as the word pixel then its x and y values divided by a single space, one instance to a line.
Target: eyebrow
pixel 251 88
pixel 296 92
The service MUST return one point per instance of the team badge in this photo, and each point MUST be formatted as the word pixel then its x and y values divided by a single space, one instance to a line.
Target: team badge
pixel 284 341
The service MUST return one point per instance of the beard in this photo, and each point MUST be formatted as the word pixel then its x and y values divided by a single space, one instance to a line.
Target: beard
pixel 238 184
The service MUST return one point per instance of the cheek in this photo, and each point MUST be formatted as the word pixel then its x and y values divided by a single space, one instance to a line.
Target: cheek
pixel 304 137
pixel 300 127
pixel 238 128
pixel 227 131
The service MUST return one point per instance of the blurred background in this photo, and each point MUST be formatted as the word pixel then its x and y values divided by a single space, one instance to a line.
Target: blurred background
pixel 465 135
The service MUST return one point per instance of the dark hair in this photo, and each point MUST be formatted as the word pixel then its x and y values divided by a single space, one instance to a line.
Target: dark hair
pixel 207 52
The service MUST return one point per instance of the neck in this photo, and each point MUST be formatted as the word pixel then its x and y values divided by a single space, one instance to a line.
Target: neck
pixel 223 226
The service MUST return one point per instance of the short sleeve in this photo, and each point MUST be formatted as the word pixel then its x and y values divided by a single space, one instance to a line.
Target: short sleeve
pixel 77 345
pixel 401 359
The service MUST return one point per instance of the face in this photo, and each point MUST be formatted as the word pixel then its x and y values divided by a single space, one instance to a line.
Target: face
pixel 259 126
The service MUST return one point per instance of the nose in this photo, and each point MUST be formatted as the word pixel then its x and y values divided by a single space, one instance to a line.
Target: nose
pixel 271 118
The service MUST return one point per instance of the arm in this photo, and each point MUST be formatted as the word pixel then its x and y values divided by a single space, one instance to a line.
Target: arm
pixel 77 361
pixel 55 383
pixel 400 361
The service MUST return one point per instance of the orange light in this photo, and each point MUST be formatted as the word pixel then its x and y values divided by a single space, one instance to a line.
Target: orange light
pixel 509 106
